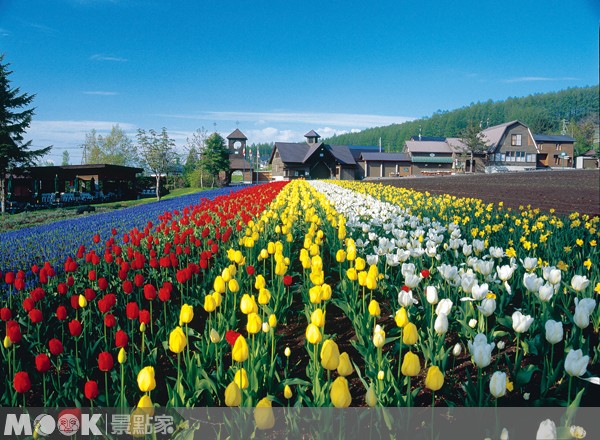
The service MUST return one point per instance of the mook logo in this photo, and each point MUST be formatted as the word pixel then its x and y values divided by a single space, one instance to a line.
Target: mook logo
pixel 68 422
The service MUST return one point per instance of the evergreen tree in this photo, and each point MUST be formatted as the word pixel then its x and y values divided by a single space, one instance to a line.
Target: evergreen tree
pixel 215 157
pixel 65 158
pixel 14 121
pixel 473 140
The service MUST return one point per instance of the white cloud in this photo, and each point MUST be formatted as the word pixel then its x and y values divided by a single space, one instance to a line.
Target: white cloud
pixel 99 93
pixel 539 78
pixel 103 57
pixel 334 119
pixel 4 32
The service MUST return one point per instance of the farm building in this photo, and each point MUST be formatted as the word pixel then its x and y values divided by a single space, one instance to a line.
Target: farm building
pixel 555 151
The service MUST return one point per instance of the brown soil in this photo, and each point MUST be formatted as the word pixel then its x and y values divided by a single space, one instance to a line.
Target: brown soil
pixel 564 190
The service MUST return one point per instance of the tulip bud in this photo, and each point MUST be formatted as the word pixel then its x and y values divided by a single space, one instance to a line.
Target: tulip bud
pixel 122 356
pixel 233 395
pixel 457 350
pixel 239 353
pixel 340 394
pixel 576 363
pixel 472 323
pixel 186 314
pixel 380 375
pixel 411 366
pixel 378 336
pixel 441 324
pixel 435 379
pixel 371 397
pixel 82 301
pixel 215 337
pixel 432 295
pixel 401 317
pixel 374 309
pixel 498 384
pixel 410 336
pixel 313 334
pixel 263 414
pixel 287 352
pixel 330 355
pixel 554 331
pixel 345 366
pixel 177 340
pixel 287 392
pixel 145 379
pixel 241 378
pixel 143 327
pixel 272 320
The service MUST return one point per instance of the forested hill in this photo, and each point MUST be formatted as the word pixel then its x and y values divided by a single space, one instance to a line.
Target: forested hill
pixel 543 113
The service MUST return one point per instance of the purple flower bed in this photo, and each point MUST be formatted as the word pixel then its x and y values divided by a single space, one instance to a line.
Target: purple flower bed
pixel 54 242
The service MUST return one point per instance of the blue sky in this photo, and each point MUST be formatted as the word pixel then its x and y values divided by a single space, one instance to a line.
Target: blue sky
pixel 283 67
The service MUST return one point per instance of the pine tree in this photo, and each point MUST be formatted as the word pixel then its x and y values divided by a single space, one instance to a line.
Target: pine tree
pixel 215 157
pixel 15 118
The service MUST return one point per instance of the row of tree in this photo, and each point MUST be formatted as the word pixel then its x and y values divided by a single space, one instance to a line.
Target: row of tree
pixel 543 113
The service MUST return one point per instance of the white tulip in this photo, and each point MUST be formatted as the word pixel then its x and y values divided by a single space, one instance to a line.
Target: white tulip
pixel 441 324
pixel 583 310
pixel 487 307
pixel 444 306
pixel 412 280
pixel 432 295
pixel 372 260
pixel 546 431
pixel 579 282
pixel 532 283
pixel 480 292
pixel 498 384
pixel 407 268
pixel 504 434
pixel 577 432
pixel 467 281
pixel 448 272
pixel 520 322
pixel 554 331
pixel 478 246
pixel 485 268
pixel 501 345
pixel 481 350
pixel 472 323
pixel 457 349
pixel 546 292
pixel 406 298
pixel 505 272
pixel 496 252
pixel 392 260
pixel 552 274
pixel 467 249
pixel 576 363
pixel 530 263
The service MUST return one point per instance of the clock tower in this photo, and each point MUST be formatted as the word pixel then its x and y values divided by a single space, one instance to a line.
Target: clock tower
pixel 237 144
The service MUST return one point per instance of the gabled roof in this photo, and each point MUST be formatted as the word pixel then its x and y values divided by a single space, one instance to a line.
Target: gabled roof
pixel 312 133
pixel 428 138
pixel 311 150
pixel 494 135
pixel 428 147
pixel 357 150
pixel 386 157
pixel 552 138
pixel 291 152
pixel 237 134
pixel 457 145
pixel 343 154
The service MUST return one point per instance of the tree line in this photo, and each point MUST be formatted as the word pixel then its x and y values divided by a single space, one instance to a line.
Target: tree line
pixel 543 113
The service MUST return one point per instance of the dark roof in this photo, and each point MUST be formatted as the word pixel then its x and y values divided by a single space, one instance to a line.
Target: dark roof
pixel 428 138
pixel 237 134
pixel 552 138
pixel 291 152
pixel 386 157
pixel 312 133
pixel 343 155
pixel 357 150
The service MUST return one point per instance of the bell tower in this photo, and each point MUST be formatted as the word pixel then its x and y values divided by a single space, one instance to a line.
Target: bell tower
pixel 237 144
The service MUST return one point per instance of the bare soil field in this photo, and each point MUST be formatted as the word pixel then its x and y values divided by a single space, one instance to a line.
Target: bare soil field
pixel 564 190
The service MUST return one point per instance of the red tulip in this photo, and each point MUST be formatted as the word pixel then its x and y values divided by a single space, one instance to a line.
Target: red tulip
pixel 109 320
pixel 288 280
pixel 20 284
pixel 103 305
pixel 70 281
pixel 121 339
pixel 62 288
pixel 55 346
pixel 164 294
pixel 13 331
pixel 42 362
pixel 61 313
pixel 5 314
pixel 105 361
pixel 102 283
pixel 75 328
pixel 149 292
pixel 90 294
pixel 35 315
pixel 138 279
pixel 92 275
pixel 144 316
pixel 37 294
pixel 43 276
pixel 250 270
pixel 21 382
pixel 231 336
pixel 90 389
pixel 96 238
pixel 9 277
pixel 425 273
pixel 127 287
pixel 75 301
pixel 28 304
pixel 132 310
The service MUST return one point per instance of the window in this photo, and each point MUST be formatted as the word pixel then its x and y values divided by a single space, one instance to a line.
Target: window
pixel 520 156
pixel 558 147
pixel 515 140
pixel 406 170
pixel 530 158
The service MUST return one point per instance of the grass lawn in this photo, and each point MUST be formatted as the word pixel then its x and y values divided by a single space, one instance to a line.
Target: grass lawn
pixel 12 222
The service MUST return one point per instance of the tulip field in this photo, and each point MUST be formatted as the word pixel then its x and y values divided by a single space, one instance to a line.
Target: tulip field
pixel 307 294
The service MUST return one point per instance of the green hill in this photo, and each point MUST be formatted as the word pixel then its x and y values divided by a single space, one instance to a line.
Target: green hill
pixel 543 113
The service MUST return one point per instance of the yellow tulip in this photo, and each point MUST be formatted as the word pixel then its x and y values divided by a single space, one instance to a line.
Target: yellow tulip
pixel 238 257
pixel 360 264
pixel 209 303
pixel 226 275
pixel 411 366
pixel 271 248
pixel 351 253
pixel 371 282
pixel 260 282
pixel 145 379
pixel 145 404
pixel 7 342
pixel 233 285
pixel 378 336
pixel 340 394
pixel 82 301
pixel 374 309
pixel 233 395
pixel 239 353
pixel 314 294
pixel 272 320
pixel 434 379
pixel 287 392
pixel 287 352
pixel 340 256
pixel 254 323
pixel 246 305
pixel 264 296
pixel 345 366
pixel 219 284
pixel 280 269
pixel 177 340
pixel 264 254
pixel 313 334
pixel 143 327
pixel 215 337
pixel 325 292
pixel 410 336
pixel 362 278
pixel 401 318
pixel 352 274
pixel 318 318
pixel 231 254
pixel 218 298
pixel 186 314
pixel 241 378
pixel 263 414
pixel 330 355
